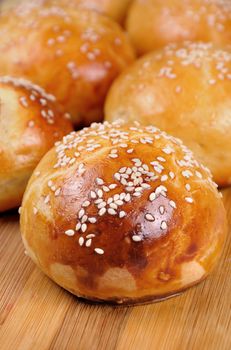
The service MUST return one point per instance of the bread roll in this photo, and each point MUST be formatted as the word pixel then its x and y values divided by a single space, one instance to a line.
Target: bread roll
pixel 73 54
pixel 30 123
pixel 184 90
pixel 123 214
pixel 115 9
pixel 153 24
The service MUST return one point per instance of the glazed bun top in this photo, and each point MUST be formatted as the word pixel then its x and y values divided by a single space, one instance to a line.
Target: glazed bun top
pixel 78 54
pixel 126 197
pixel 30 123
pixel 185 90
pixel 153 24
pixel 115 9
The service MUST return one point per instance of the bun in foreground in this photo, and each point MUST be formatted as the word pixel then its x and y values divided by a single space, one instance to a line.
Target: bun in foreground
pixel 122 214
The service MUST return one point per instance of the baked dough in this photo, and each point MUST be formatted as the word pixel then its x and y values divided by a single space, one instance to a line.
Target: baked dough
pixel 123 214
pixel 185 90
pixel 115 9
pixel 30 124
pixel 153 24
pixel 74 54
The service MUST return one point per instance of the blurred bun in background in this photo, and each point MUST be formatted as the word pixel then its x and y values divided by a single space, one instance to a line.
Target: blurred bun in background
pixel 73 54
pixel 123 214
pixel 155 23
pixel 185 90
pixel 115 9
pixel 30 124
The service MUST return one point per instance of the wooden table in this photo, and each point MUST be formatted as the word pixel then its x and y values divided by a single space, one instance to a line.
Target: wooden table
pixel 37 314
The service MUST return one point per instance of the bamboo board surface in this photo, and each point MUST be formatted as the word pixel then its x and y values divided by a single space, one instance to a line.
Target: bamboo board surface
pixel 37 314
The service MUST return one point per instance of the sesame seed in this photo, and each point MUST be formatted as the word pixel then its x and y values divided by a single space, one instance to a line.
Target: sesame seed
pixel 152 196
pixel 167 150
pixel 161 209
pixel 188 187
pixel 111 211
pixel 161 190
pixel 88 242
pixel 136 238
pixel 113 155
pixel 122 170
pixel 117 176
pixel 99 181
pixel 84 219
pixel 199 175
pixel 187 173
pixel 86 204
pixel 81 213
pixel 102 205
pixel 84 228
pixel 81 241
pixel 99 251
pixel 172 204
pixel 163 225
pixel 92 220
pixel 100 193
pixel 102 211
pixel 20 210
pixel 189 199
pixel 112 186
pixel 172 175
pixel 47 199
pixel 161 159
pixel 122 214
pixel 57 192
pixel 91 235
pixel 164 178
pixel 149 217
pixel 50 183
pixel 93 195
pixel 70 233
pixel 78 226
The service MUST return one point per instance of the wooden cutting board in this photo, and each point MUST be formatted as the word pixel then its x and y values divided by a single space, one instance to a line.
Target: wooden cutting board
pixel 37 314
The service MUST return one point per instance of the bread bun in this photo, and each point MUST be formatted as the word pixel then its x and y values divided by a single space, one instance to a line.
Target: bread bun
pixel 184 90
pixel 77 55
pixel 115 9
pixel 153 24
pixel 30 123
pixel 123 214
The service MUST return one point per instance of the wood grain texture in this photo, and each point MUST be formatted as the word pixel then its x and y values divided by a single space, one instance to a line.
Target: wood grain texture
pixel 37 314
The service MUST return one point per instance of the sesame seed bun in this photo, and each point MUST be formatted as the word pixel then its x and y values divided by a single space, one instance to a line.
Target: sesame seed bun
pixel 153 24
pixel 185 90
pixel 115 9
pixel 78 53
pixel 30 124
pixel 123 214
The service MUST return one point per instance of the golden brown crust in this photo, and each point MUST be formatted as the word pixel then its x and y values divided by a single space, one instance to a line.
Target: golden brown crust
pixel 153 24
pixel 184 90
pixel 78 54
pixel 30 124
pixel 122 213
